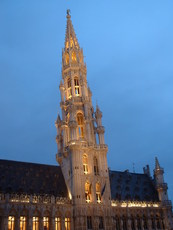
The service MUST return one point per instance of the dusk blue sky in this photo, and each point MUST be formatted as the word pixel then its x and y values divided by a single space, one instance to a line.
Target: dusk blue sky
pixel 128 48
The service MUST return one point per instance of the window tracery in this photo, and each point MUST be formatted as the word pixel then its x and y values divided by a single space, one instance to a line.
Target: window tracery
pixel 22 223
pixel 80 122
pixel 85 164
pixel 35 223
pixel 98 193
pixel 88 192
pixel 96 168
pixel 76 85
pixel 69 89
pixel 11 220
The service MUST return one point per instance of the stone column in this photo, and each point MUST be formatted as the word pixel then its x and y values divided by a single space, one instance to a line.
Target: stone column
pixel 121 224
pixel 149 223
pixel 40 223
pixel 5 223
pixel 129 227
pixel 52 223
pixel 136 225
pixel 29 223
pixel 17 223
pixel 63 223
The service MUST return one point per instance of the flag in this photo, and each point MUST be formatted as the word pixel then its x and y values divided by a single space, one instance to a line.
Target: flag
pixel 103 190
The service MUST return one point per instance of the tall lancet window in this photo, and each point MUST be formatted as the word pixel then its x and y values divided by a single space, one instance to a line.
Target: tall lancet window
pixel 80 122
pixel 67 58
pixel 71 42
pixel 85 164
pixel 88 192
pixel 76 85
pixel 98 193
pixel 96 168
pixel 11 220
pixel 73 56
pixel 22 223
pixel 69 90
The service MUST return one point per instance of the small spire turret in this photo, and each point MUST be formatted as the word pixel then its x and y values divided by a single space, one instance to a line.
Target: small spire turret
pixel 161 186
pixel 157 165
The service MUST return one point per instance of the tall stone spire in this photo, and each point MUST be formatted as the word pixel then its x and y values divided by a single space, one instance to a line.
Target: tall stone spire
pixel 83 160
pixel 72 54
pixel 70 36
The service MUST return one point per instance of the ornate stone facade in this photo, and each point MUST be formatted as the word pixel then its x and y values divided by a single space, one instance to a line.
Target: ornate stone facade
pixel 81 194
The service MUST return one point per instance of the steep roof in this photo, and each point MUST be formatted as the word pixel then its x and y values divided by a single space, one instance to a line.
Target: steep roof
pixel 31 178
pixel 132 186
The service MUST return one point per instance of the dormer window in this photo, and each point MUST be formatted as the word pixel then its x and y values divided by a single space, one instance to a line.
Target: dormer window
pixel 69 90
pixel 76 85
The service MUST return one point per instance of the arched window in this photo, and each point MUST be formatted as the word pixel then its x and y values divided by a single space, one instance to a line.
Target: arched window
pixel 35 223
pixel 57 223
pixel 89 222
pixel 71 42
pixel 85 164
pixel 73 56
pixel 69 90
pixel 88 192
pixel 96 168
pixel 67 45
pixel 67 223
pixel 67 59
pixel 76 86
pixel 11 220
pixel 46 223
pixel 80 123
pixel 23 222
pixel 101 225
pixel 98 193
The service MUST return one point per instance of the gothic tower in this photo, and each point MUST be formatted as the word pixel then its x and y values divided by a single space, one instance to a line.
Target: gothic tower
pixel 83 161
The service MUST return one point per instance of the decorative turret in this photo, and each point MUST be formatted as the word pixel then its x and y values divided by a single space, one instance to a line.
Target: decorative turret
pixel 100 129
pixel 161 186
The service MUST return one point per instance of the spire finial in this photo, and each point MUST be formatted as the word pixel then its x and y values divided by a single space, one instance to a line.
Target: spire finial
pixel 68 13
pixel 157 165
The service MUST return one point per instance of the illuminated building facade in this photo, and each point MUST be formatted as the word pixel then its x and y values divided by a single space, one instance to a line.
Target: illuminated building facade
pixel 81 193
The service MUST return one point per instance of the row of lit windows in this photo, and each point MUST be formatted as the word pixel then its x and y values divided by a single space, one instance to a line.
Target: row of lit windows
pixel 76 87
pixel 88 192
pixel 85 165
pixel 35 223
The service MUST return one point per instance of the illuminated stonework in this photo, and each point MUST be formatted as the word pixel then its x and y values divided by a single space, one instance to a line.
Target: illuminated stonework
pixel 81 193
